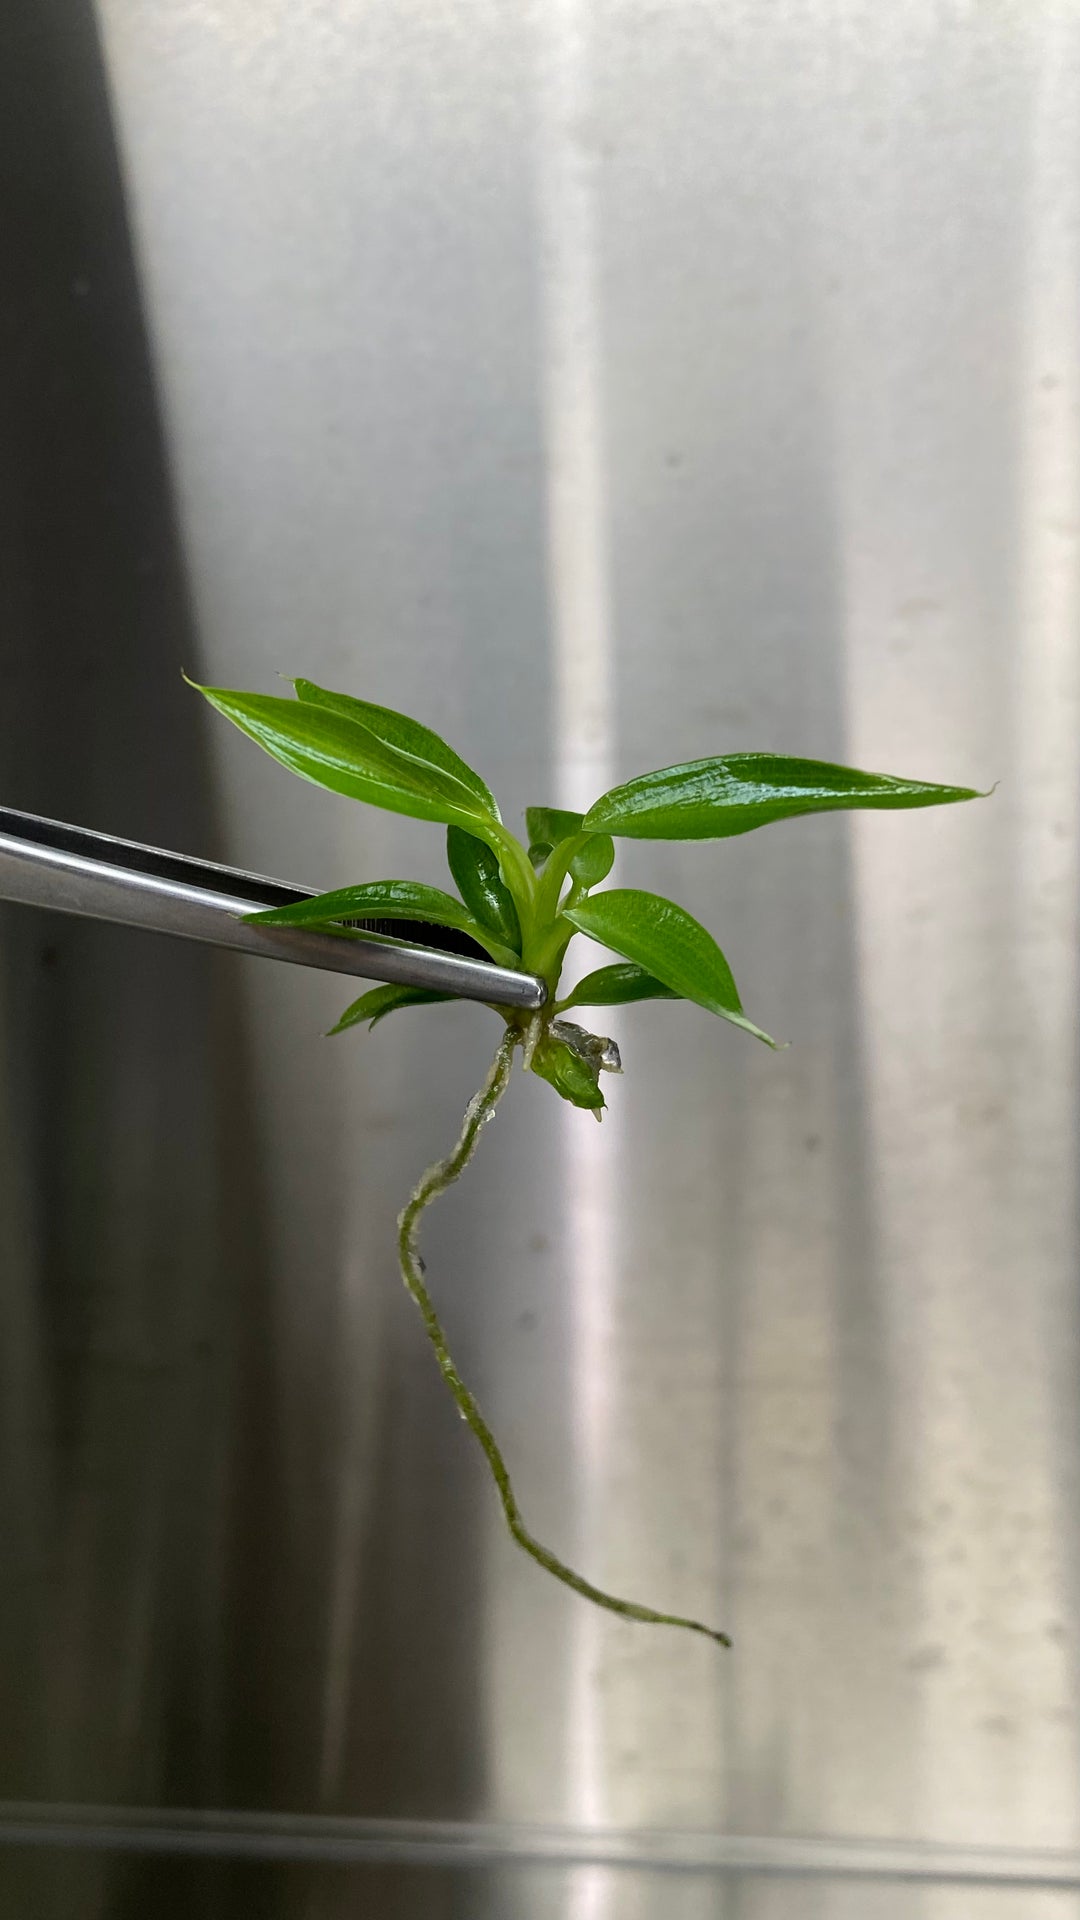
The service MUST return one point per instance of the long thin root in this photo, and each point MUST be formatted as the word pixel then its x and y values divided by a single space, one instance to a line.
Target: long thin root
pixel 434 1182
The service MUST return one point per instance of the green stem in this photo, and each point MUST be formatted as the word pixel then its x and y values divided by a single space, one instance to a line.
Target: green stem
pixel 517 870
pixel 555 872
pixel 434 1182
pixel 547 956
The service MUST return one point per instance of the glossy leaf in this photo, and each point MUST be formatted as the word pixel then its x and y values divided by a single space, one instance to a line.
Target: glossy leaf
pixel 476 874
pixel 324 747
pixel 383 900
pixel 374 1006
pixel 572 1075
pixel 713 799
pixel 399 731
pixel 668 943
pixel 617 986
pixel 593 861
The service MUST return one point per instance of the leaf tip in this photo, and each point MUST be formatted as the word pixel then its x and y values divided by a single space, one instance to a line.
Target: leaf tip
pixel 973 793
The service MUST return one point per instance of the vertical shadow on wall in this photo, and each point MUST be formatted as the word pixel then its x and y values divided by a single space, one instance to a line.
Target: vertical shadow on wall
pixel 139 1484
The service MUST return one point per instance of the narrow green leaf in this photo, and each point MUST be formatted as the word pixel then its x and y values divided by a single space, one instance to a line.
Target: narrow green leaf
pixel 594 861
pixel 712 799
pixel 399 731
pixel 616 987
pixel 572 1075
pixel 384 900
pixel 476 874
pixel 334 752
pixel 669 944
pixel 375 1006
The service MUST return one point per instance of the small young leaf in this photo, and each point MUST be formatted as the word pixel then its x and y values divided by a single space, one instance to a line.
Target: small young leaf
pixel 616 987
pixel 551 827
pixel 334 752
pixel 712 799
pixel 571 1074
pixel 546 826
pixel 593 861
pixel 384 900
pixel 399 731
pixel 476 873
pixel 669 944
pixel 375 1006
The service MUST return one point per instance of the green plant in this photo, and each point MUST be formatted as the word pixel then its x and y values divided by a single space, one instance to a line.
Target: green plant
pixel 523 904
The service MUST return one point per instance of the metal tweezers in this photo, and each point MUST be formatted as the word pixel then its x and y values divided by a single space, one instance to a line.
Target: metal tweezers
pixel 44 863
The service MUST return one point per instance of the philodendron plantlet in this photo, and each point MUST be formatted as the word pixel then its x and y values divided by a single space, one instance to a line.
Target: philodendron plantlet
pixel 523 903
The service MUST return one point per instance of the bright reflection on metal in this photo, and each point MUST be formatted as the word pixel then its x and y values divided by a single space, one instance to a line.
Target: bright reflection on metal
pixel 583 728
pixel 973 1188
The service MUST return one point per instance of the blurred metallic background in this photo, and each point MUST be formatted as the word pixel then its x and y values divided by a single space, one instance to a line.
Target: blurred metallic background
pixel 608 382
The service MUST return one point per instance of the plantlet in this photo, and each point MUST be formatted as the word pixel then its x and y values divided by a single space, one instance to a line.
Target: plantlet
pixel 523 904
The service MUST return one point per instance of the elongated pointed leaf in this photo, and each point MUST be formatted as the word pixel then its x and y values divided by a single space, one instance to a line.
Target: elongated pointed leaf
pixel 713 799
pixel 669 944
pixel 617 986
pixel 348 758
pixel 476 873
pixel 383 900
pixel 399 731
pixel 374 1006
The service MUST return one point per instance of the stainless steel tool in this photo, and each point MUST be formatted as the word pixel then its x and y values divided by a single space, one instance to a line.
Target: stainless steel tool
pixel 46 863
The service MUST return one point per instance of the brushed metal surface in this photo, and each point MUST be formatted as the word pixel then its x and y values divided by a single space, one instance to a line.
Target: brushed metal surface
pixel 608 383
